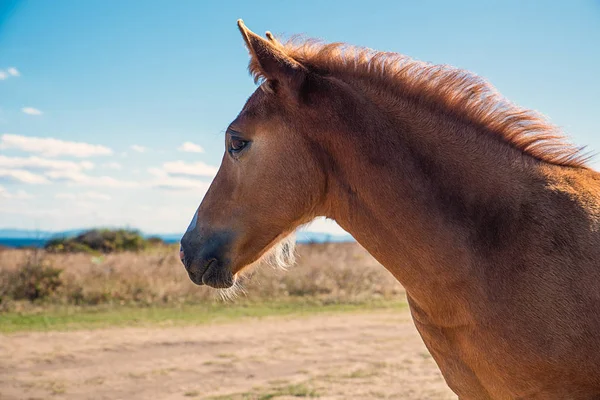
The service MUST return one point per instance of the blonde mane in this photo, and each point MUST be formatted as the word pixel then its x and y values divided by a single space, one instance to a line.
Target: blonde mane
pixel 457 91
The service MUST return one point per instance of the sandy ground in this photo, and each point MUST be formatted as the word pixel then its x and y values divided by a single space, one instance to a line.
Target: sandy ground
pixel 343 356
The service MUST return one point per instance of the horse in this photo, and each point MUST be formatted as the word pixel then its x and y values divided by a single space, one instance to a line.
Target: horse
pixel 484 211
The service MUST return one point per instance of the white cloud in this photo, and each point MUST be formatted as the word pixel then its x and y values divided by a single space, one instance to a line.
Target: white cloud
pixel 18 195
pixel 10 72
pixel 25 170
pixel 165 181
pixel 178 175
pixel 81 178
pixel 112 165
pixel 108 181
pixel 180 168
pixel 324 225
pixel 20 169
pixel 138 148
pixel 171 183
pixel 68 176
pixel 32 212
pixel 51 147
pixel 83 196
pixel 157 172
pixel 38 163
pixel 21 175
pixel 97 196
pixel 190 147
pixel 31 111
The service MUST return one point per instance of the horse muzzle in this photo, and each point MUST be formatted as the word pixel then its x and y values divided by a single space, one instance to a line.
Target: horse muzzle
pixel 205 260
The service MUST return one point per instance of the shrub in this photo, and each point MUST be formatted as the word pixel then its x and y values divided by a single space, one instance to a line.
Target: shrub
pixel 102 241
pixel 36 280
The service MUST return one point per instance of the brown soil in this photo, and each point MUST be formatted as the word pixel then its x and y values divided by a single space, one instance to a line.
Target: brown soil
pixel 344 356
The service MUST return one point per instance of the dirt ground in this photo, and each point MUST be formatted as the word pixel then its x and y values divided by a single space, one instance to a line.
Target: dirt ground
pixel 376 355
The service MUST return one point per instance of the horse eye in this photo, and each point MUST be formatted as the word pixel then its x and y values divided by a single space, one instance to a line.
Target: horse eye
pixel 236 145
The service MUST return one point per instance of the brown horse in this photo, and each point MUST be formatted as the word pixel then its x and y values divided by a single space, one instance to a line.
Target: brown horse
pixel 484 213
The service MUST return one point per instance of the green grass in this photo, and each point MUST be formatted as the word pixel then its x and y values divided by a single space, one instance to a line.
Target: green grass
pixel 74 318
pixel 293 390
pixel 298 390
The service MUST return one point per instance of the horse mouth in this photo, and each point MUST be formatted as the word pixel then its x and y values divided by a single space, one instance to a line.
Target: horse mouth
pixel 196 274
pixel 213 274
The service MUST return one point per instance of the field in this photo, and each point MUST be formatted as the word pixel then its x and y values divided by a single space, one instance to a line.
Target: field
pixel 132 326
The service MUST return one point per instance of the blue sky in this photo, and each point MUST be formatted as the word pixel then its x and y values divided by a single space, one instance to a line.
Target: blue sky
pixel 132 81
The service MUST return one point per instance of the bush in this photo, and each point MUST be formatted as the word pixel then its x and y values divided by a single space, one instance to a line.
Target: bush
pixel 36 280
pixel 102 241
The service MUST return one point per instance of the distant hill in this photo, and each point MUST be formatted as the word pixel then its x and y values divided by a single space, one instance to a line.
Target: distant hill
pixel 31 238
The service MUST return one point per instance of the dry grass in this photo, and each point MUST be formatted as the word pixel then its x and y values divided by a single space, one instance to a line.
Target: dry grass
pixel 329 273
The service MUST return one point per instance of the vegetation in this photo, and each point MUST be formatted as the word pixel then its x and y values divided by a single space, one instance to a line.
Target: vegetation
pixel 34 281
pixel 73 317
pixel 258 393
pixel 328 273
pixel 42 289
pixel 102 241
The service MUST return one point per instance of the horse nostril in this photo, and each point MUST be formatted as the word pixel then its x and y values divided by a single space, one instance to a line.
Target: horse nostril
pixel 181 254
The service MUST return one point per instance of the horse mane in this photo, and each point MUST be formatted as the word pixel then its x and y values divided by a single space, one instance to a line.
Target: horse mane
pixel 460 92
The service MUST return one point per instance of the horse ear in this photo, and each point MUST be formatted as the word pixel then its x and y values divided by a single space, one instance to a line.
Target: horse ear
pixel 269 61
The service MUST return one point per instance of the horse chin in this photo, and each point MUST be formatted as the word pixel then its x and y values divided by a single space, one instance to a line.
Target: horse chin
pixel 217 276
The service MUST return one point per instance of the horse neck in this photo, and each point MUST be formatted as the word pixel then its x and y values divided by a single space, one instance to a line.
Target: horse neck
pixel 426 195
